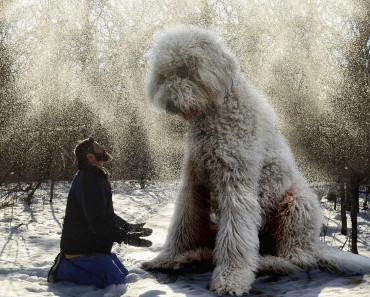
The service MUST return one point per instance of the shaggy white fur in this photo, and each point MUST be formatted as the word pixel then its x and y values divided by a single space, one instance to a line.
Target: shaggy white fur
pixel 238 167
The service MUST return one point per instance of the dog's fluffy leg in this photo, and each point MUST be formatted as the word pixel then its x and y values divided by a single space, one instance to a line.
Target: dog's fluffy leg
pixel 189 229
pixel 277 265
pixel 236 250
pixel 299 223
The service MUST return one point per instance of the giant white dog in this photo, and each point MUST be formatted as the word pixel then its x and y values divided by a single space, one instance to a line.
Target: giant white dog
pixel 237 168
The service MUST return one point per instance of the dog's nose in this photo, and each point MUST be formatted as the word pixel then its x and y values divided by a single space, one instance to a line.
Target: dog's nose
pixel 172 108
pixel 183 71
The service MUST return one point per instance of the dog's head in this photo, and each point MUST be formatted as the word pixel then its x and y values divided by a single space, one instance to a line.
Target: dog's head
pixel 190 70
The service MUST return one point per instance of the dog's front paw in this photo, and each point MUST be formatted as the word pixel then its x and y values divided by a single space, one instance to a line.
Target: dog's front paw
pixel 192 260
pixel 231 281
pixel 161 262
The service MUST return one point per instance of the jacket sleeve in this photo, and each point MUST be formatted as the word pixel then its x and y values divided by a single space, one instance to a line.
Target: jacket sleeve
pixel 94 205
pixel 121 223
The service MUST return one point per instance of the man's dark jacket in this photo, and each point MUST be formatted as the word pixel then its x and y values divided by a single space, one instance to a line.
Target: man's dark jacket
pixel 90 224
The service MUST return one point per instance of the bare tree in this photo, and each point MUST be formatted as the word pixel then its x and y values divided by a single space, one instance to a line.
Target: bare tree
pixel 343 209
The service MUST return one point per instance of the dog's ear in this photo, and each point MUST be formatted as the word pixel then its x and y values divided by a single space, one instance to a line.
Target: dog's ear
pixel 216 66
pixel 225 58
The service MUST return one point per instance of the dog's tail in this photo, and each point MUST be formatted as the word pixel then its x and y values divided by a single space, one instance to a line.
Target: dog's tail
pixel 335 260
pixel 327 258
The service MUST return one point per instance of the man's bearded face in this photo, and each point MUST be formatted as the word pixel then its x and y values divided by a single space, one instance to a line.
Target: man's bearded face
pixel 103 156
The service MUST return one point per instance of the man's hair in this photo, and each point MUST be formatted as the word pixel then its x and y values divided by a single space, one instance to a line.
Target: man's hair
pixel 83 148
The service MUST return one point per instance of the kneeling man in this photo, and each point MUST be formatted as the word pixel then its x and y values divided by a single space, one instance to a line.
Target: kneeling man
pixel 91 227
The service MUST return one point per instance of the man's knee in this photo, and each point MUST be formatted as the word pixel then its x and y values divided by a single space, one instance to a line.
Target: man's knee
pixel 100 270
pixel 119 264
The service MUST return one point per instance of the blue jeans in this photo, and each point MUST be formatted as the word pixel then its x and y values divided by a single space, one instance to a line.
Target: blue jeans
pixel 100 270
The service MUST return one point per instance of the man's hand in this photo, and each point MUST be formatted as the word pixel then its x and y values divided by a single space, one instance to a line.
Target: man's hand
pixel 134 232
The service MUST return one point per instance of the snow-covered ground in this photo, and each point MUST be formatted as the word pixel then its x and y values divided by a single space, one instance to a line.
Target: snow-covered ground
pixel 29 241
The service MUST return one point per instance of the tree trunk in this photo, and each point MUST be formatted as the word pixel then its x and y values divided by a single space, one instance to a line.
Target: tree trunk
pixel 343 209
pixel 354 211
pixel 52 190
pixel 365 207
pixel 31 192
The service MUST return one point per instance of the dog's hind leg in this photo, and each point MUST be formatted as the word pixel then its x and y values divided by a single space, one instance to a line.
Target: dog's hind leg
pixel 299 223
pixel 277 265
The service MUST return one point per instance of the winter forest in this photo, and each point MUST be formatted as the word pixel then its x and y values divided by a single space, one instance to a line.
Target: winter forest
pixel 76 68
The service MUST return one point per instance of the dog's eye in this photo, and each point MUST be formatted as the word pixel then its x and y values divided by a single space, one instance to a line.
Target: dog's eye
pixel 161 78
pixel 183 71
